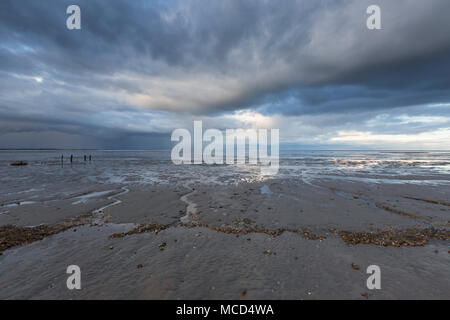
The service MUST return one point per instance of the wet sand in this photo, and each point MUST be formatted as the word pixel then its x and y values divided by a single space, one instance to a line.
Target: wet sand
pixel 276 239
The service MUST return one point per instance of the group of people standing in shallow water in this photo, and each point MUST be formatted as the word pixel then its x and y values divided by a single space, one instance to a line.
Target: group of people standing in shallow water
pixel 71 158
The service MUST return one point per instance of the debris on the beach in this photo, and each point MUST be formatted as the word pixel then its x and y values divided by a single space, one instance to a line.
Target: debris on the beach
pixel 399 212
pixel 19 163
pixel 364 294
pixel 394 237
pixel 244 223
pixel 443 203
pixel 162 246
pixel 253 229
pixel 139 266
pixel 243 292
pixel 267 252
pixel 243 228
pixel 111 247
pixel 436 251
pixel 355 266
pixel 140 229
pixel 11 236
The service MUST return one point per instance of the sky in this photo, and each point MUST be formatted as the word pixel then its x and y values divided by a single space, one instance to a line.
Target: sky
pixel 139 69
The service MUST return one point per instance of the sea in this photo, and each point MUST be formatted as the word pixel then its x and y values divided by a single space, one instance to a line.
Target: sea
pixel 51 170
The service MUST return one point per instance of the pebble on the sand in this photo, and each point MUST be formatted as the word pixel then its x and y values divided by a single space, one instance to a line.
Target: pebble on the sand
pixel 355 266
pixel 162 246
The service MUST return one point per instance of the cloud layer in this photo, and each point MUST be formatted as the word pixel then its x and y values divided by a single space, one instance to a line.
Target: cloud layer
pixel 138 69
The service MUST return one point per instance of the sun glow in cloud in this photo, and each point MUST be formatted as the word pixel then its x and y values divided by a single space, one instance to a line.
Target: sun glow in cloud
pixel 252 119
pixel 438 139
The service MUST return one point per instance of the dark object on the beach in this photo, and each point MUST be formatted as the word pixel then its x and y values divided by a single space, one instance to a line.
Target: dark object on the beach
pixel 243 292
pixel 436 251
pixel 364 294
pixel 85 158
pixel 139 266
pixel 71 158
pixel 111 247
pixel 90 157
pixel 355 266
pixel 162 245
pixel 295 258
pixel 19 163
pixel 267 252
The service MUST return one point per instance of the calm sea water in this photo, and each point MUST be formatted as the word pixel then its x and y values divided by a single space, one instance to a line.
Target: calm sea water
pixel 46 171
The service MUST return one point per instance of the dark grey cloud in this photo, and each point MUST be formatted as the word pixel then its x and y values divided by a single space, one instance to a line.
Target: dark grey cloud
pixel 138 64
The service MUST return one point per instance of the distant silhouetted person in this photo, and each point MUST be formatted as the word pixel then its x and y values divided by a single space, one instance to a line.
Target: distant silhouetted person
pixel 71 158
pixel 84 157
pixel 90 157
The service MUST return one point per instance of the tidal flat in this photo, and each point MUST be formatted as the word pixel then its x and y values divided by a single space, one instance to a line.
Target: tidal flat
pixel 140 227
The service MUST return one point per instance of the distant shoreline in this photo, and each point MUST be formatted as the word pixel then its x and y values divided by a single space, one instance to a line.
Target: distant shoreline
pixel 281 149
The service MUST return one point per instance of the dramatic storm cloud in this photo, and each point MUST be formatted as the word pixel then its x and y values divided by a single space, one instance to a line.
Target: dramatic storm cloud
pixel 138 69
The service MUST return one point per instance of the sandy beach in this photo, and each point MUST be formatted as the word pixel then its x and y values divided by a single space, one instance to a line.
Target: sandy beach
pixel 272 239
